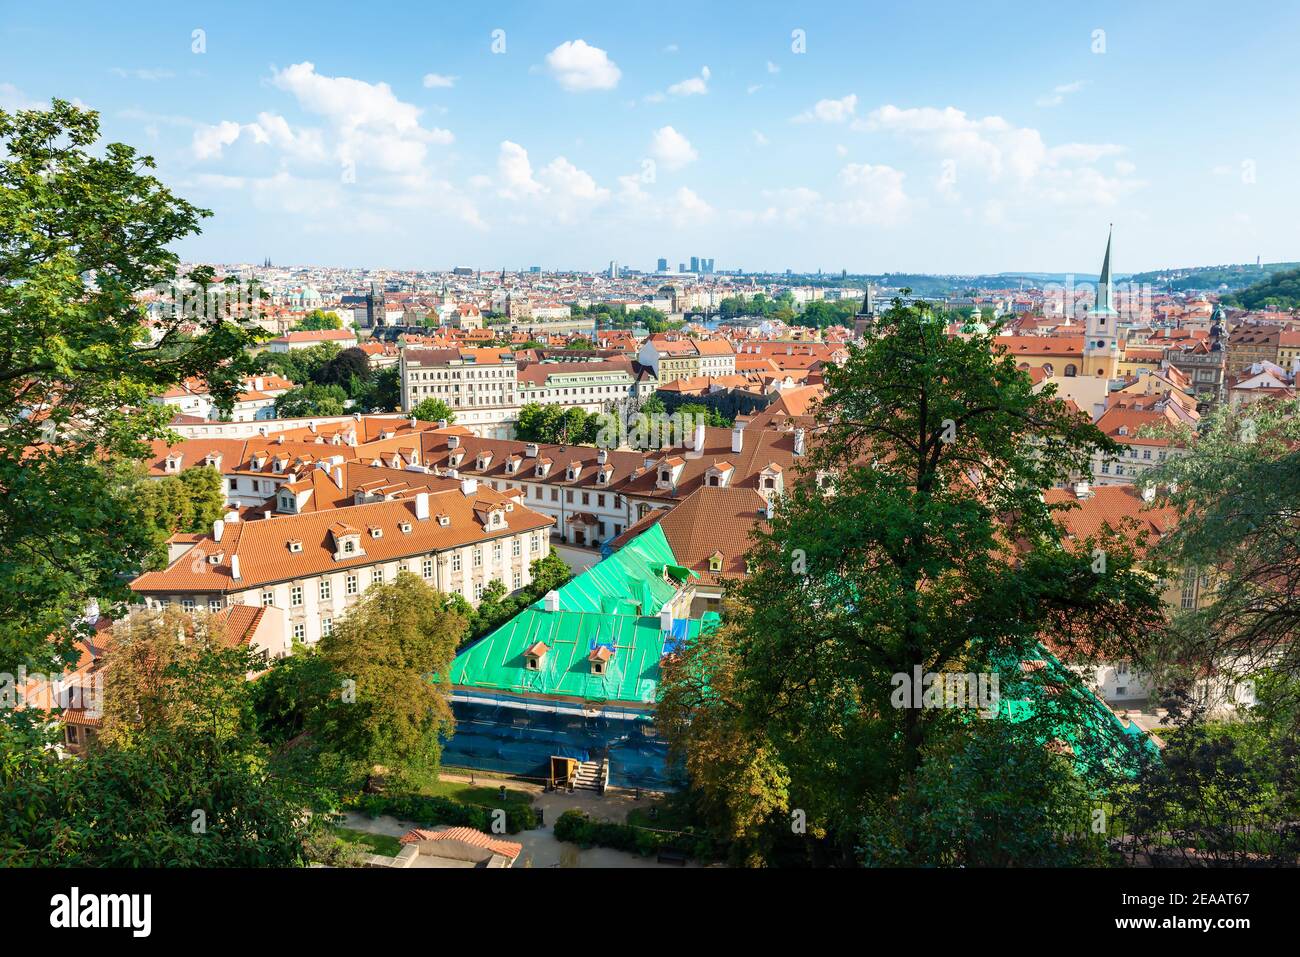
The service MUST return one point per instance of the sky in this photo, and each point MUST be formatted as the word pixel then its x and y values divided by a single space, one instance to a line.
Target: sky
pixel 923 137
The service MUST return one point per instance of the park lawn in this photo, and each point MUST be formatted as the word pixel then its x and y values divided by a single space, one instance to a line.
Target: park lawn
pixel 475 793
pixel 383 844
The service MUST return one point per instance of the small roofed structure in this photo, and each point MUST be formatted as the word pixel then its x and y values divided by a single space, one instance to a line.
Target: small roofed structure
pixel 452 847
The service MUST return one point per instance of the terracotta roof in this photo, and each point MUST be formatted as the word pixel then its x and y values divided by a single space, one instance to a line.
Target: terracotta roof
pixel 264 556
pixel 467 835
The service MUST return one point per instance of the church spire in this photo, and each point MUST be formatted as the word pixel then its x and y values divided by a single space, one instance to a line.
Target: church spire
pixel 1105 299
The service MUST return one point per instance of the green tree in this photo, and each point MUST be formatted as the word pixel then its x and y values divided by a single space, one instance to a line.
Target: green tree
pixel 1236 491
pixel 177 777
pixel 391 656
pixel 342 369
pixel 433 410
pixel 80 360
pixel 300 366
pixel 893 550
pixel 317 320
pixel 309 400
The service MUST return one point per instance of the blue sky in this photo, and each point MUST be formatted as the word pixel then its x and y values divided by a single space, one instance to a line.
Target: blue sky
pixel 921 137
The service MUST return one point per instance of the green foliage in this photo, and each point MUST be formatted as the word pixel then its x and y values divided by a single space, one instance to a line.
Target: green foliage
pixel 1236 492
pixel 576 827
pixel 311 399
pixel 343 369
pixel 301 366
pixel 433 410
pixel 1281 289
pixel 77 356
pixel 697 410
pixel 396 644
pixel 178 737
pixel 497 607
pixel 432 811
pixel 556 425
pixel 317 320
pixel 892 549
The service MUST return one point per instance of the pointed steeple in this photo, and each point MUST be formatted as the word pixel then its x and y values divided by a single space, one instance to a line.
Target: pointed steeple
pixel 1105 299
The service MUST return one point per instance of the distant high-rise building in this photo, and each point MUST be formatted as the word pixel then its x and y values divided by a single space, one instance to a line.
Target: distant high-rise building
pixel 663 264
pixel 695 264
pixel 534 269
pixel 681 267
pixel 613 269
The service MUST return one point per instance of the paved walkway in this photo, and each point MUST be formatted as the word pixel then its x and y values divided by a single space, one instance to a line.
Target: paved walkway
pixel 541 849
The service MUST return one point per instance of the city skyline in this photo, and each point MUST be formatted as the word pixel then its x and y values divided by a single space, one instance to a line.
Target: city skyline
pixel 946 143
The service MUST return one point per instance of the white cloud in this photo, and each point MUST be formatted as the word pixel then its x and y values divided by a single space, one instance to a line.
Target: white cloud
pixel 12 98
pixel 688 209
pixel 671 148
pixel 867 196
pixel 563 189
pixel 760 139
pixel 671 48
pixel 874 194
pixel 830 111
pixel 693 86
pixel 210 141
pixel 1059 93
pixel 999 153
pixel 577 67
pixel 439 80
pixel 753 88
pixel 772 67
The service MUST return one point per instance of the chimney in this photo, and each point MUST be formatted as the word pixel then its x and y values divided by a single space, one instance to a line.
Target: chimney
pixel 1149 493
pixel 232 517
pixel 738 437
pixel 552 600
pixel 234 567
pixel 1082 489
pixel 453 441
pixel 468 486
pixel 338 476
pixel 442 423
pixel 422 505
pixel 218 529
pixel 698 443
pixel 530 450
pixel 414 421
pixel 798 441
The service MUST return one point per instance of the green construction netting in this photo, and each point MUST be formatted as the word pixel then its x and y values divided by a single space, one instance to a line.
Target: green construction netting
pixel 497 662
pixel 625 580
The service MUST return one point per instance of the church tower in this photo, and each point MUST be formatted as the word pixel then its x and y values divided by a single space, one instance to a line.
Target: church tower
pixel 865 319
pixel 1101 338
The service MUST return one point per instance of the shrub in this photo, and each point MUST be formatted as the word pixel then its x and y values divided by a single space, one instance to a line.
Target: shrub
pixel 441 810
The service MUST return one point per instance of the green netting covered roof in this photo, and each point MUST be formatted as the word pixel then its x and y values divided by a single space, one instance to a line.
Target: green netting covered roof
pixel 625 581
pixel 498 663
pixel 615 603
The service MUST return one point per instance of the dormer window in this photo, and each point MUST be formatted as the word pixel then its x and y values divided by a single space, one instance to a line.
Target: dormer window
pixel 215 558
pixel 665 475
pixel 455 458
pixel 172 464
pixel 376 531
pixel 512 466
pixel 599 658
pixel 575 469
pixel 533 656
pixel 444 520
pixel 602 477
pixel 349 546
pixel 484 460
pixel 715 562
pixel 295 547
pixel 405 527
